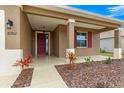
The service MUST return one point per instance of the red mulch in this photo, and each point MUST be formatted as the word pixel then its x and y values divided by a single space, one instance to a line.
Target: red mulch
pixel 96 75
pixel 24 78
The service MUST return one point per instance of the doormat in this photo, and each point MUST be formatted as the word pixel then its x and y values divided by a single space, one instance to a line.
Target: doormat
pixel 24 79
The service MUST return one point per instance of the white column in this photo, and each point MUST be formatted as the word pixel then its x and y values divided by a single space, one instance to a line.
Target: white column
pixel 117 44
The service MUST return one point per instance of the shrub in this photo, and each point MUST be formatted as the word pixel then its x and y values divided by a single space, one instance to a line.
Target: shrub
pixel 108 60
pixel 88 60
pixel 103 51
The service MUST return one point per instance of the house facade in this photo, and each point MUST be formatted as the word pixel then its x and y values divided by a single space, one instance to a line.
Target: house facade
pixel 107 40
pixel 51 31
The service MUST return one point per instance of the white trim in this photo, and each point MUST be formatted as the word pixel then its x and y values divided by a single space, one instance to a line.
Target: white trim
pixel 2 29
pixel 71 20
pixel 86 39
pixel 36 32
pixel 81 47
pixel 117 53
pixel 35 44
pixel 118 29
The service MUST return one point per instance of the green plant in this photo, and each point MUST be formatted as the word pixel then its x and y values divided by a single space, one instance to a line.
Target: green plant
pixel 108 60
pixel 103 51
pixel 88 60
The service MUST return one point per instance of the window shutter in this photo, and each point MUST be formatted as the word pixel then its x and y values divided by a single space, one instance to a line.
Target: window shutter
pixel 89 39
pixel 75 39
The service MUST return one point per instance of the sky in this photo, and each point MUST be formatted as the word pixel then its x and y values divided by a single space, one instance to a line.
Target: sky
pixel 115 11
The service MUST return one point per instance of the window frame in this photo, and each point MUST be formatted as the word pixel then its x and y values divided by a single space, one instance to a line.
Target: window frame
pixel 86 39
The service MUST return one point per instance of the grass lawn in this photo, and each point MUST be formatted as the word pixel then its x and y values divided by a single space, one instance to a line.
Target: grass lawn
pixel 109 54
pixel 106 54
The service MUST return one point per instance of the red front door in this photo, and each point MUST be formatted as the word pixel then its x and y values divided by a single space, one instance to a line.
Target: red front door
pixel 41 44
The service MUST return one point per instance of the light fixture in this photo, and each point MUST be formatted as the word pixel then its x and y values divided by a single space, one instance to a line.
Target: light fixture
pixel 9 24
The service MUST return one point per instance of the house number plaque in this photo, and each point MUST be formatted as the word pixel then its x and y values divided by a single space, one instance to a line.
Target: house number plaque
pixel 12 33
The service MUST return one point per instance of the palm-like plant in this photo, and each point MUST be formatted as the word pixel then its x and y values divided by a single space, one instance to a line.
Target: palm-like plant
pixel 23 63
pixel 72 58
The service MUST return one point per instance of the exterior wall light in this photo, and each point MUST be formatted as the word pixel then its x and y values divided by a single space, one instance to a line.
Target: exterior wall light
pixel 9 24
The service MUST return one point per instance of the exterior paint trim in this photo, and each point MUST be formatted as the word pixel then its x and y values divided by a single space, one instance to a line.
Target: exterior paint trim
pixel 90 39
pixel 117 53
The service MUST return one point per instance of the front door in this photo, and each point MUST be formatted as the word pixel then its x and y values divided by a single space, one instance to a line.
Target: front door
pixel 41 44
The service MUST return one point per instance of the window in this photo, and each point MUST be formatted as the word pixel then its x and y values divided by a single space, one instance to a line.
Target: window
pixel 81 39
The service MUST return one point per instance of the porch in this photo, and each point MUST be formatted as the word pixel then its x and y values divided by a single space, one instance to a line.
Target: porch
pixel 68 33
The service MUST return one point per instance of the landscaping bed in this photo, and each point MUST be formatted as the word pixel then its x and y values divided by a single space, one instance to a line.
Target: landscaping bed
pixel 95 75
pixel 24 79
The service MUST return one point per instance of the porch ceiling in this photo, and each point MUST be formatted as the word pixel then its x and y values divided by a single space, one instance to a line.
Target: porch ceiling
pixel 38 22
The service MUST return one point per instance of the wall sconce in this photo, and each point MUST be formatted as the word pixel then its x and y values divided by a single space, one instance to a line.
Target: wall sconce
pixel 9 24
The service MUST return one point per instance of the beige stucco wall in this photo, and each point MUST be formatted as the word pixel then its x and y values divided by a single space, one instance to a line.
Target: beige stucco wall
pixel 62 40
pixel 26 36
pixel 33 43
pixel 95 50
pixel 51 43
pixel 62 43
pixel 110 33
pixel 22 39
pixel 13 13
pixel 56 42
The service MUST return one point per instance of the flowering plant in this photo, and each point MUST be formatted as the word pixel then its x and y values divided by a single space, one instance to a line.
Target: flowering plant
pixel 23 63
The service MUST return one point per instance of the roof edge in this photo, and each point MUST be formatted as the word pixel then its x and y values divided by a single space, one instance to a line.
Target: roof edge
pixel 81 13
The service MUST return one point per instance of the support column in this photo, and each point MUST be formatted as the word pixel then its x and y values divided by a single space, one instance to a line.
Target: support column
pixel 117 44
pixel 70 36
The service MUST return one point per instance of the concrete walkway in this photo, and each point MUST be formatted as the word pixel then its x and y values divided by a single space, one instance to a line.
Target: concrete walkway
pixel 45 74
pixel 7 81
